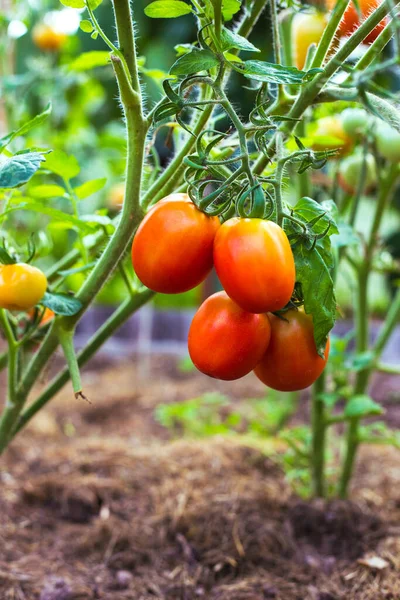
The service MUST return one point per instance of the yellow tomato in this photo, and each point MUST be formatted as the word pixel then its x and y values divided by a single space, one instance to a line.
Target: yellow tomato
pixel 48 39
pixel 307 29
pixel 22 286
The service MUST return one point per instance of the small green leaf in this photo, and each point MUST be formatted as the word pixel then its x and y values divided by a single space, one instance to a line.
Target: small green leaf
pixel 18 169
pixel 61 304
pixel 56 215
pixel 362 406
pixel 230 8
pixel 26 127
pixel 194 62
pixel 361 361
pixel 270 73
pixel 86 26
pixel 90 60
pixel 6 258
pixel 62 164
pixel 230 39
pixel 90 187
pixel 329 399
pixel 103 220
pixel 167 9
pixel 46 191
pixel 76 270
pixel 308 209
pixel 73 3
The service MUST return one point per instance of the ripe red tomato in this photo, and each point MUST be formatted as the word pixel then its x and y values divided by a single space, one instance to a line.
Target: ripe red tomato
pixel 255 264
pixel 351 20
pixel 307 29
pixel 225 341
pixel 172 251
pixel 291 361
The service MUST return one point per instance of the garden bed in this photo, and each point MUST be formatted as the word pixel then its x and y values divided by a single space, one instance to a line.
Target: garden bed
pixel 97 501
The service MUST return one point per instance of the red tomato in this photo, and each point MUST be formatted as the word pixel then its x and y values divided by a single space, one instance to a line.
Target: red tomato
pixel 291 361
pixel 255 264
pixel 225 341
pixel 307 29
pixel 172 251
pixel 351 20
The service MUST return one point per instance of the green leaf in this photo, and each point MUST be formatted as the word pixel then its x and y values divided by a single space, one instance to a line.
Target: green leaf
pixel 18 169
pixel 313 273
pixel 61 304
pixel 269 72
pixel 308 209
pixel 73 3
pixel 329 398
pixel 90 60
pixel 26 127
pixel 230 39
pixel 62 164
pixel 361 361
pixel 76 270
pixel 57 215
pixel 362 406
pixel 46 191
pixel 103 220
pixel 6 258
pixel 167 9
pixel 86 26
pixel 230 8
pixel 194 62
pixel 90 187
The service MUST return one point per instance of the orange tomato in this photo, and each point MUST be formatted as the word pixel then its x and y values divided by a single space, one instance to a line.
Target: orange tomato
pixel 225 341
pixel 351 19
pixel 48 315
pixel 48 39
pixel 291 361
pixel 330 135
pixel 172 251
pixel 255 264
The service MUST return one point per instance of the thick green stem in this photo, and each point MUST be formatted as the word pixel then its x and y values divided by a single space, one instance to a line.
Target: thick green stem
pixel 119 317
pixel 12 407
pixel 352 444
pixel 329 33
pixel 318 428
pixel 126 40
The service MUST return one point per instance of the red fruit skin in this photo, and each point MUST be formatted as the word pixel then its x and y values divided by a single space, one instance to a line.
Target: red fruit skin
pixel 291 361
pixel 225 341
pixel 172 251
pixel 351 20
pixel 255 264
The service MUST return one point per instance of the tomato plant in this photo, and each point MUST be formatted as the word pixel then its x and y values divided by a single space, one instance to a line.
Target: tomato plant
pixel 354 168
pixel 22 286
pixel 255 264
pixel 181 240
pixel 225 341
pixel 291 361
pixel 352 18
pixel 329 134
pixel 388 141
pixel 307 29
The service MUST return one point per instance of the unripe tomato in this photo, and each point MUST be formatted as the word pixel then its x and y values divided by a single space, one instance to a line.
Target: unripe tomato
pixel 388 142
pixel 255 264
pixel 225 341
pixel 351 20
pixel 291 361
pixel 355 121
pixel 351 170
pixel 48 39
pixel 116 198
pixel 330 135
pixel 172 251
pixel 22 286
pixel 307 29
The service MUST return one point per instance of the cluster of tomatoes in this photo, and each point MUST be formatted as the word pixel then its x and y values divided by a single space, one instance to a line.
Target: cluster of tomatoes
pixel 308 27
pixel 234 331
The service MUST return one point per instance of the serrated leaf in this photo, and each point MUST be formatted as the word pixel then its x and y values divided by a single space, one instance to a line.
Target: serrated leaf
pixel 270 73
pixel 86 26
pixel 61 304
pixel 230 39
pixel 362 406
pixel 318 292
pixel 308 209
pixel 194 62
pixel 90 60
pixel 230 8
pixel 90 187
pixel 62 164
pixel 46 191
pixel 167 9
pixel 19 169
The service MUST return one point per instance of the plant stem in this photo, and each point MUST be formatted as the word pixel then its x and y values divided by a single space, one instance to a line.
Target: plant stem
pixel 318 427
pixel 329 34
pixel 117 319
pixel 352 444
pixel 11 408
pixel 126 40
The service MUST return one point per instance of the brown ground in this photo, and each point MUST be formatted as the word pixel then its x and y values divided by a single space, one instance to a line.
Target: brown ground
pixel 97 502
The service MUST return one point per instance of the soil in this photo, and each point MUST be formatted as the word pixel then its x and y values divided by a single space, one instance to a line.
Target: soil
pixel 98 502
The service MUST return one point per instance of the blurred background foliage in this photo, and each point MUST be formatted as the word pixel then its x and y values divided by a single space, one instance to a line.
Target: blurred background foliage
pixel 86 122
